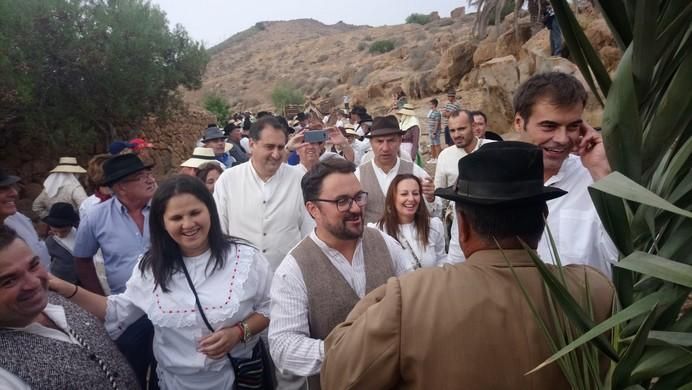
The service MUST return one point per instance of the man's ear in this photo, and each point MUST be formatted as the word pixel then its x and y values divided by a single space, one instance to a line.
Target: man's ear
pixel 519 124
pixel 312 208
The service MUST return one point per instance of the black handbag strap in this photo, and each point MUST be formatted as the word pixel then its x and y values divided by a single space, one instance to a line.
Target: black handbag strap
pixel 199 305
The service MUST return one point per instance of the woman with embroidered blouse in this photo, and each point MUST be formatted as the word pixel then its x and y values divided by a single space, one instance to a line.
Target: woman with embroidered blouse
pixel 406 218
pixel 193 278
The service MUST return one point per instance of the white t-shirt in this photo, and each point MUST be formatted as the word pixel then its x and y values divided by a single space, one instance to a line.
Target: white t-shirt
pixel 433 254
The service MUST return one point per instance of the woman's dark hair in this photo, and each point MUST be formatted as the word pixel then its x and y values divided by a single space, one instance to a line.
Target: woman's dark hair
pixel 204 170
pixel 164 257
pixel 390 219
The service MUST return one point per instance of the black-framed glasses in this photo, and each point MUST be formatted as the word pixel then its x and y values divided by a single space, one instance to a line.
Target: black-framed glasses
pixel 344 203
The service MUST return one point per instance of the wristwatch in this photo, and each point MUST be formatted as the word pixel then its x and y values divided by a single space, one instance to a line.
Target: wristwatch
pixel 247 333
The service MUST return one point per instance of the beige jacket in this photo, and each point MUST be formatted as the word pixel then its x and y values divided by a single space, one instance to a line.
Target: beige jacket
pixel 72 194
pixel 465 326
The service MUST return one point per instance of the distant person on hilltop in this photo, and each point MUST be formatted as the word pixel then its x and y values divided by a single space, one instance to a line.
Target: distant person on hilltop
pixel 550 22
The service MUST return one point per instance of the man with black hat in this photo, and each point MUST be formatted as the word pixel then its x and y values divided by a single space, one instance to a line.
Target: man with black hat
pixel 9 216
pixel 119 227
pixel 376 175
pixel 215 139
pixel 62 220
pixel 238 152
pixel 468 326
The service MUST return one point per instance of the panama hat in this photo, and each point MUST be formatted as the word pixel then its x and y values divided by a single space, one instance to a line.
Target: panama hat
pixel 68 165
pixel 407 109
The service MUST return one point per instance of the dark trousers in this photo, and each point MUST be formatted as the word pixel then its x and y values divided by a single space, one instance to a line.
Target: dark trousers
pixel 136 345
pixel 448 138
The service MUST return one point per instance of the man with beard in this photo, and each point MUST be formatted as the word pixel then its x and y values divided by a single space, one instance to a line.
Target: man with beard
pixel 548 112
pixel 46 342
pixel 325 275
pixel 465 142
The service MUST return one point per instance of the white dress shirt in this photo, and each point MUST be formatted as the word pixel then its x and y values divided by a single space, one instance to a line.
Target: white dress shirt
pixel 433 254
pixel 56 313
pixel 292 348
pixel 270 214
pixel 574 223
pixel 228 295
pixel 446 174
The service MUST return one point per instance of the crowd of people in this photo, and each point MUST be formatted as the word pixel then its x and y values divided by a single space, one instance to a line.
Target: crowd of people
pixel 310 253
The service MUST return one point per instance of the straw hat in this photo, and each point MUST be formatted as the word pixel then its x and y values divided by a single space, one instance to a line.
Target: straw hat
pixel 200 155
pixel 68 165
pixel 350 130
pixel 407 109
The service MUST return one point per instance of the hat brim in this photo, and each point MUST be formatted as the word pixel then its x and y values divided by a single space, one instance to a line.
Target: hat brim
pixel 383 132
pixel 546 193
pixel 123 174
pixel 68 169
pixel 58 222
pixel 205 140
pixel 198 162
pixel 404 111
pixel 9 180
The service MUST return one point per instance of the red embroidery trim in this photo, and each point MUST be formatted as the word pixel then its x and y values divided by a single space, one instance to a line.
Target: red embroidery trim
pixel 228 298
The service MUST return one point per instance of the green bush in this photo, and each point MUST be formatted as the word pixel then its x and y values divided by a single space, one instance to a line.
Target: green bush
pixel 382 46
pixel 217 106
pixel 286 93
pixel 418 18
pixel 362 46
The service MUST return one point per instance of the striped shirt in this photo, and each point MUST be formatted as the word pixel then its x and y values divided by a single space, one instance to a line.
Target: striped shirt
pixel 434 120
pixel 450 107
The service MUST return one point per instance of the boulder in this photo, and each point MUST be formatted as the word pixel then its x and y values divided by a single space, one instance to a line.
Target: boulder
pixel 508 21
pixel 500 72
pixel 484 51
pixel 434 16
pixel 510 42
pixel 454 64
pixel 458 13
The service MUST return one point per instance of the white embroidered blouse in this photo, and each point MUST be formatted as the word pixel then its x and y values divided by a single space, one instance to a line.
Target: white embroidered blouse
pixel 228 295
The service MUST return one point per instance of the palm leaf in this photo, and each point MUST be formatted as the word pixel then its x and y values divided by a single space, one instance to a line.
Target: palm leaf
pixel 658 267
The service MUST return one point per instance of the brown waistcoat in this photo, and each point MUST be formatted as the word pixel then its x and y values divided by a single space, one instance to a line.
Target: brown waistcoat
pixel 330 297
pixel 368 180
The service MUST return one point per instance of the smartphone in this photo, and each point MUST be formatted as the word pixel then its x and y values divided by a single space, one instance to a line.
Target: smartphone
pixel 315 136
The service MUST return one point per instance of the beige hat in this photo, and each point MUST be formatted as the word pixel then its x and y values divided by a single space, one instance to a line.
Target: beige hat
pixel 407 109
pixel 200 155
pixel 227 147
pixel 68 165
pixel 350 130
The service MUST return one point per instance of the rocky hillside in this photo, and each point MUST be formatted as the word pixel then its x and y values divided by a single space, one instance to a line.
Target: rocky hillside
pixel 328 62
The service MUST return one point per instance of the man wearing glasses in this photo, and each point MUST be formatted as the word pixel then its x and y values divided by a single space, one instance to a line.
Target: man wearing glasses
pixel 118 226
pixel 324 276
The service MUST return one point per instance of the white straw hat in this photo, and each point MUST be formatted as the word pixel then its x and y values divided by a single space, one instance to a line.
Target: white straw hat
pixel 200 156
pixel 68 165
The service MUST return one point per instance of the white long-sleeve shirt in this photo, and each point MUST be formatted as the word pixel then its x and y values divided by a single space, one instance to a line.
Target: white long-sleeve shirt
pixel 433 254
pixel 271 215
pixel 292 348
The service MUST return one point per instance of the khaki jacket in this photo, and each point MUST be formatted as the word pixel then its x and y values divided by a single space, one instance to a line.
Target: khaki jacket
pixel 466 326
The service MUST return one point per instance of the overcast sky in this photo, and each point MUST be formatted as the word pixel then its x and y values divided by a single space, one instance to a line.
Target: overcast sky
pixel 212 21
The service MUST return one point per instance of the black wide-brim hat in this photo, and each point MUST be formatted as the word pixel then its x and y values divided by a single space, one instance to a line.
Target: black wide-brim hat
pixel 7 180
pixel 384 125
pixel 118 167
pixel 501 173
pixel 61 214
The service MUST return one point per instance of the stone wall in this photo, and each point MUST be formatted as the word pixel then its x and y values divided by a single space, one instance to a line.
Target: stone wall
pixel 32 157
